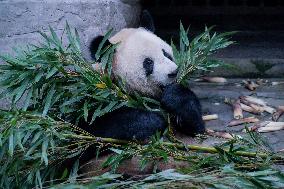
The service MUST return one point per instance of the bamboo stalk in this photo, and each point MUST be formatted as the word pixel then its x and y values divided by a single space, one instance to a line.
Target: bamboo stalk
pixel 202 149
pixel 213 150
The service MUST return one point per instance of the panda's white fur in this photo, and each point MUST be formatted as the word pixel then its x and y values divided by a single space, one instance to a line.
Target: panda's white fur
pixel 136 44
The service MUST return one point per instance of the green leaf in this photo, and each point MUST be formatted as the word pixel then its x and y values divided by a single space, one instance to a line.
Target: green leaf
pixel 106 37
pixel 55 39
pixel 20 90
pixel 38 179
pixel 38 76
pixel 86 110
pixel 48 101
pixel 96 114
pixel 184 34
pixel 64 174
pixel 44 151
pixel 51 72
pixel 28 98
pixel 19 140
pixel 11 144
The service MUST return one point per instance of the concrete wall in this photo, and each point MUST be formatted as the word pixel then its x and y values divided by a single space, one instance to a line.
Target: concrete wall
pixel 21 19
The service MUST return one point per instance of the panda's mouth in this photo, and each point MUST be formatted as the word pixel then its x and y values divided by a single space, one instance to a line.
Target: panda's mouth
pixel 163 85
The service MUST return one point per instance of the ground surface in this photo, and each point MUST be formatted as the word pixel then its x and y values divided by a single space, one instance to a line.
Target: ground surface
pixel 212 98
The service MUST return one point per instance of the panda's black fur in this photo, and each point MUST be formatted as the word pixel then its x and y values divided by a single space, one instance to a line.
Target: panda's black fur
pixel 130 123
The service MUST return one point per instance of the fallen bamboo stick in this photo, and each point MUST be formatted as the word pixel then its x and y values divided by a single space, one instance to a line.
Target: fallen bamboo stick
pixel 250 85
pixel 243 121
pixel 238 112
pixel 279 112
pixel 271 126
pixel 257 125
pixel 213 79
pixel 257 104
pixel 269 109
pixel 210 117
pixel 253 100
pixel 249 109
pixel 219 134
pixel 277 82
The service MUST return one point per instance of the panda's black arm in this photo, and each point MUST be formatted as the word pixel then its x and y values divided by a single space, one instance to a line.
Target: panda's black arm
pixel 127 124
pixel 184 104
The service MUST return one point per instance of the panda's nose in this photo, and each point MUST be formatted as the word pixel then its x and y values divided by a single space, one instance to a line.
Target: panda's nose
pixel 173 74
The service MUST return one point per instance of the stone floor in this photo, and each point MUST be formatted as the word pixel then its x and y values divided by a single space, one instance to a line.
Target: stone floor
pixel 212 97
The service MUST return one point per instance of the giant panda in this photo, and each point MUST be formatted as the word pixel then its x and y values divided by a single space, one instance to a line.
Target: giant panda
pixel 146 64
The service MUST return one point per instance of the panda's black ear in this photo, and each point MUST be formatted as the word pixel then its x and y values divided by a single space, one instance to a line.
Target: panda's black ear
pixel 94 45
pixel 146 21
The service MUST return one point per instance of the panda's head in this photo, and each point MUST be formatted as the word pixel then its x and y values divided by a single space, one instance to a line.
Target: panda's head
pixel 142 59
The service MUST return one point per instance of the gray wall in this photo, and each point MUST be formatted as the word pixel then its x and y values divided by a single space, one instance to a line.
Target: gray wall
pixel 21 19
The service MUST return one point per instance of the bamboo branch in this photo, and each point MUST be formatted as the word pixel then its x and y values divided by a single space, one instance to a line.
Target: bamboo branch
pixel 201 149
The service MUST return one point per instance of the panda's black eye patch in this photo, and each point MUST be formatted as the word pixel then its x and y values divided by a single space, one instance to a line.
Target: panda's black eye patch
pixel 167 55
pixel 148 65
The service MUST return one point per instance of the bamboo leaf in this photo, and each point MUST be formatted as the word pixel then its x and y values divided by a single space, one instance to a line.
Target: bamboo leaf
pixel 106 37
pixel 44 151
pixel 38 76
pixel 20 90
pixel 96 114
pixel 19 140
pixel 49 97
pixel 86 113
pixel 38 179
pixel 55 39
pixel 51 72
pixel 28 98
pixel 11 144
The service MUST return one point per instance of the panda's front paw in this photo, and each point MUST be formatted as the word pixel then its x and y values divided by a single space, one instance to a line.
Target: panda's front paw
pixel 174 96
pixel 184 104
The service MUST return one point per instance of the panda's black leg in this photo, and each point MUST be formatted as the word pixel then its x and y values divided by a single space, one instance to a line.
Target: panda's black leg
pixel 184 104
pixel 127 124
